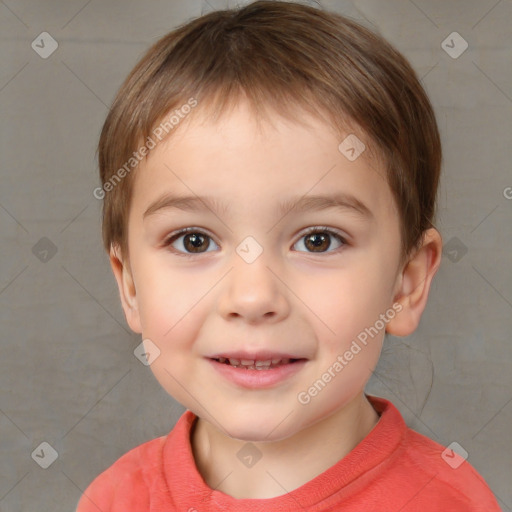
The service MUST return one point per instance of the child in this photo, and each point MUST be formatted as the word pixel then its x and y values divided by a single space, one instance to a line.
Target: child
pixel 269 177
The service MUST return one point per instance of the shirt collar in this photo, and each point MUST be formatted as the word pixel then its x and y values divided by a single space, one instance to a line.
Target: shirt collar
pixel 188 489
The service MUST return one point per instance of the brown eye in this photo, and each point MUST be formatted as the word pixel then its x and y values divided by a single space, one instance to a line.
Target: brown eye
pixel 190 242
pixel 195 242
pixel 320 240
pixel 317 242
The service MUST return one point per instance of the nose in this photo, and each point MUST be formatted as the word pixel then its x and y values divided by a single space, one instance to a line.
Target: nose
pixel 252 292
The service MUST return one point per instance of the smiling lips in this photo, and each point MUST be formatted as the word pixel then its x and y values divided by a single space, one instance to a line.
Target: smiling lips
pixel 261 360
pixel 255 364
pixel 245 369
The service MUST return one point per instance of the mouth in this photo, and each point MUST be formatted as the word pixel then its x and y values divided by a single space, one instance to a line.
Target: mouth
pixel 256 364
pixel 257 371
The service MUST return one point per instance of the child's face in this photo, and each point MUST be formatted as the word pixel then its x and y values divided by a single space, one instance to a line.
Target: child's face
pixel 290 301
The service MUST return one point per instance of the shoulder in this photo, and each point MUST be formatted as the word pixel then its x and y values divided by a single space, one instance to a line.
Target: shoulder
pixel 126 482
pixel 448 478
pixel 421 473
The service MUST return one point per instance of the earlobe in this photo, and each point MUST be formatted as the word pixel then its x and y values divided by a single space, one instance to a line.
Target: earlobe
pixel 127 291
pixel 414 284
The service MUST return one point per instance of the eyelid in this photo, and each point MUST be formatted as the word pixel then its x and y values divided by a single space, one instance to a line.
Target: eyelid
pixel 184 231
pixel 307 231
pixel 314 229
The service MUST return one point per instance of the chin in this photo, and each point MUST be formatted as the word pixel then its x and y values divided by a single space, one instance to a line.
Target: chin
pixel 249 434
pixel 257 427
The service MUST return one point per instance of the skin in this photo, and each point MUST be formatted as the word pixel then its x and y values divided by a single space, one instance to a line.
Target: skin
pixel 290 299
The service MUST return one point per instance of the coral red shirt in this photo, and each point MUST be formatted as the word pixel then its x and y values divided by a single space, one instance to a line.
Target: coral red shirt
pixel 393 469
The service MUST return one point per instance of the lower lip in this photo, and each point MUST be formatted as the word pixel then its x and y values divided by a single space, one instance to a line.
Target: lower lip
pixel 258 379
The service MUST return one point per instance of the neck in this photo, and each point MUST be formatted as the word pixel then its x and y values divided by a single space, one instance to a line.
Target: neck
pixel 288 463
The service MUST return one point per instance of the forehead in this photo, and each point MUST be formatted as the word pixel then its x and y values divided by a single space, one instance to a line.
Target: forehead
pixel 240 157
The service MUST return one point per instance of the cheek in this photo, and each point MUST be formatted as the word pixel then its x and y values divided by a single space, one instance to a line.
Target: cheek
pixel 165 299
pixel 349 301
pixel 177 368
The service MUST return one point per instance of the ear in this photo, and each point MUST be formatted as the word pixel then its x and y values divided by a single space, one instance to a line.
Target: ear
pixel 413 284
pixel 127 290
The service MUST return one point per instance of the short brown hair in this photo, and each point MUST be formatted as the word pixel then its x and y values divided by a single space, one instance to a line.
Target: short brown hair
pixel 286 56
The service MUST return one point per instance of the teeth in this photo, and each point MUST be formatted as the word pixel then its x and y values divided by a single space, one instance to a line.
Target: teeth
pixel 264 363
pixel 252 364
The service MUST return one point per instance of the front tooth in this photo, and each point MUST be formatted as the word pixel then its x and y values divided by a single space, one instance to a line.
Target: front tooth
pixel 247 362
pixel 234 362
pixel 263 363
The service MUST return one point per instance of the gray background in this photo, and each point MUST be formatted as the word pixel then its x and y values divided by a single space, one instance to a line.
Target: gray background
pixel 68 375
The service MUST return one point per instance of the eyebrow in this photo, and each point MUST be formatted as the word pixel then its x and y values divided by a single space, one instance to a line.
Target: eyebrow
pixel 341 201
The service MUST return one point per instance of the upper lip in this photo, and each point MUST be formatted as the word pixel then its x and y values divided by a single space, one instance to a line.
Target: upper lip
pixel 263 355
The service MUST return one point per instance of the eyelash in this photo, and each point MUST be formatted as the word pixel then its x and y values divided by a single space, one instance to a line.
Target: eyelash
pixel 316 229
